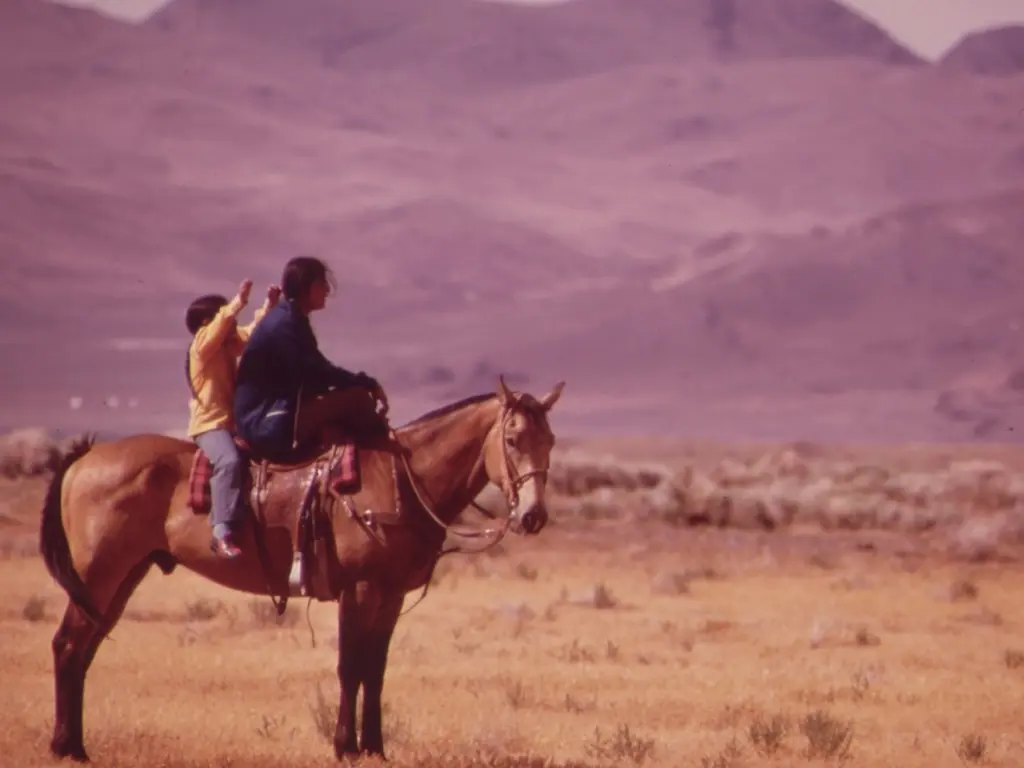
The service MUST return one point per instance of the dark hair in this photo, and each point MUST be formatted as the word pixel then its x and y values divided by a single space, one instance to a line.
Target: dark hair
pixel 300 273
pixel 202 310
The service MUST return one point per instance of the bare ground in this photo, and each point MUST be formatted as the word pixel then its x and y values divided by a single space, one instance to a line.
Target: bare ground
pixel 514 656
pixel 604 642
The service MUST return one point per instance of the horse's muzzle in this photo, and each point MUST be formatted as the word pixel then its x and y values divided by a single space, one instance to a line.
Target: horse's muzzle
pixel 534 519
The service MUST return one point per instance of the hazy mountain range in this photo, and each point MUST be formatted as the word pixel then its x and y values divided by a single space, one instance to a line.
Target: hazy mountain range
pixel 735 220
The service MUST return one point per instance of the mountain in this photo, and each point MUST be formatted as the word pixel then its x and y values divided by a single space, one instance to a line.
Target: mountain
pixel 998 51
pixel 486 45
pixel 989 401
pixel 790 235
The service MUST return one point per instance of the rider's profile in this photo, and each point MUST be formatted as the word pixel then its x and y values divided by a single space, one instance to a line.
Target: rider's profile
pixel 289 396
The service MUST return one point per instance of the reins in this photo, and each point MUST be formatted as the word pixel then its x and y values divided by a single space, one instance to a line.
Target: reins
pixel 513 481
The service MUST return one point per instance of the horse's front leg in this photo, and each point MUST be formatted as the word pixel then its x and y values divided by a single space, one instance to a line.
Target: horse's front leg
pixel 375 659
pixel 349 644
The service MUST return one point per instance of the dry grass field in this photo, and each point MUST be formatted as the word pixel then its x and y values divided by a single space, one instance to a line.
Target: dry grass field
pixel 711 606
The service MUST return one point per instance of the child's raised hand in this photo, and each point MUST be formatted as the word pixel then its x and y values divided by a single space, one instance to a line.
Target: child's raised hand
pixel 273 294
pixel 243 291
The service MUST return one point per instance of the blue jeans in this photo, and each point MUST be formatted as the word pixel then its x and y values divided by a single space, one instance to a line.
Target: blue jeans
pixel 226 480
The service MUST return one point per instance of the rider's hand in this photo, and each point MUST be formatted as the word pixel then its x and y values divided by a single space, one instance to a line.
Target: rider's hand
pixel 375 389
pixel 378 392
pixel 243 292
pixel 273 294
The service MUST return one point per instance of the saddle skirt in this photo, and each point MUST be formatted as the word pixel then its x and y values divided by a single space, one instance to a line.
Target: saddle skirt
pixel 341 477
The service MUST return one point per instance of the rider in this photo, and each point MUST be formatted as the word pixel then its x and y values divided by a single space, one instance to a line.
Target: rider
pixel 288 394
pixel 210 368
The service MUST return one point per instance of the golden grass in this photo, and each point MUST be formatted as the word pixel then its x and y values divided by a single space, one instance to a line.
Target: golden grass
pixel 613 639
pixel 497 663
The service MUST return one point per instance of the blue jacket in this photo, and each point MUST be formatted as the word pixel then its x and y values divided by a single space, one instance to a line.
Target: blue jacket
pixel 281 359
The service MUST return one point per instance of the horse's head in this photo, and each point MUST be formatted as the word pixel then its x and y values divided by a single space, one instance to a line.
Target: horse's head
pixel 517 454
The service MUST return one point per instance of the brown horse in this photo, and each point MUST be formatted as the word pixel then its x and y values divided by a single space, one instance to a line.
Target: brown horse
pixel 115 509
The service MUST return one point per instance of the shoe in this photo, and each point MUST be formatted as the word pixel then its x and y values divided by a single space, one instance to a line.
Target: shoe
pixel 223 547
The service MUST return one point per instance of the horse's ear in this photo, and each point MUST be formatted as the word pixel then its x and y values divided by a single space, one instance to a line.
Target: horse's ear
pixel 504 393
pixel 548 401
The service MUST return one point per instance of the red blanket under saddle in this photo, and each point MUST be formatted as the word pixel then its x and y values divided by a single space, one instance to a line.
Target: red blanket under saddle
pixel 342 478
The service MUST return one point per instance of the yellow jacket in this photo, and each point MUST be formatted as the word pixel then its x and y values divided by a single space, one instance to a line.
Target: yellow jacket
pixel 213 360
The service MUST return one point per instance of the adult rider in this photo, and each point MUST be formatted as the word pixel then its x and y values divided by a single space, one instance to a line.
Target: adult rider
pixel 288 396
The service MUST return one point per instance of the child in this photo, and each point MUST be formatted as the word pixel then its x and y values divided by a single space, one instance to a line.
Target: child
pixel 217 342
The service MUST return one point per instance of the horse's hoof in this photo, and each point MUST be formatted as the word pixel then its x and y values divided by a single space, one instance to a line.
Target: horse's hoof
pixel 75 752
pixel 347 753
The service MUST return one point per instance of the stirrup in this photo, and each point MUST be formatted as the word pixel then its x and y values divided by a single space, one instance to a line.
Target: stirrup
pixel 296 579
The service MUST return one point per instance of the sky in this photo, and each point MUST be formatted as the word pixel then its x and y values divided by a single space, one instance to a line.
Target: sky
pixel 929 27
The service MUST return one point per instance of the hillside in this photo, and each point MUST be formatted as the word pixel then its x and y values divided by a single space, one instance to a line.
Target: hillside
pixel 694 243
pixel 483 45
pixel 998 51
pixel 836 137
pixel 33 31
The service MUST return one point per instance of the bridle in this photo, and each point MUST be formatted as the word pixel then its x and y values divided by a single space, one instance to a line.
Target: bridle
pixel 512 481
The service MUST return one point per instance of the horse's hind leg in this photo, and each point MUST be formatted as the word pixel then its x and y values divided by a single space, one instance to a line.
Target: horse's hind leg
pixel 74 647
pixel 70 647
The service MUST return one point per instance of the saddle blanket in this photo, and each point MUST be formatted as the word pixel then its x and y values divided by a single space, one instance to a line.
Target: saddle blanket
pixel 342 477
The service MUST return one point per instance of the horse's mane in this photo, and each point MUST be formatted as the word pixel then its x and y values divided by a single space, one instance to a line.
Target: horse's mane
pixel 526 402
pixel 458 405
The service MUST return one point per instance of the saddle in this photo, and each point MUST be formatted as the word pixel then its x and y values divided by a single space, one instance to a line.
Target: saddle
pixel 329 469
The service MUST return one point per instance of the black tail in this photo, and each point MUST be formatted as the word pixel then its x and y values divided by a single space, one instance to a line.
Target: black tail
pixel 53 539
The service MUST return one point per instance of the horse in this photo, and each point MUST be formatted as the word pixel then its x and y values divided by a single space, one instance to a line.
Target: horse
pixel 115 509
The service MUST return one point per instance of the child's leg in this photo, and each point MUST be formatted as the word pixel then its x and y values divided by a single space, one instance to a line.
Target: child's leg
pixel 226 481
